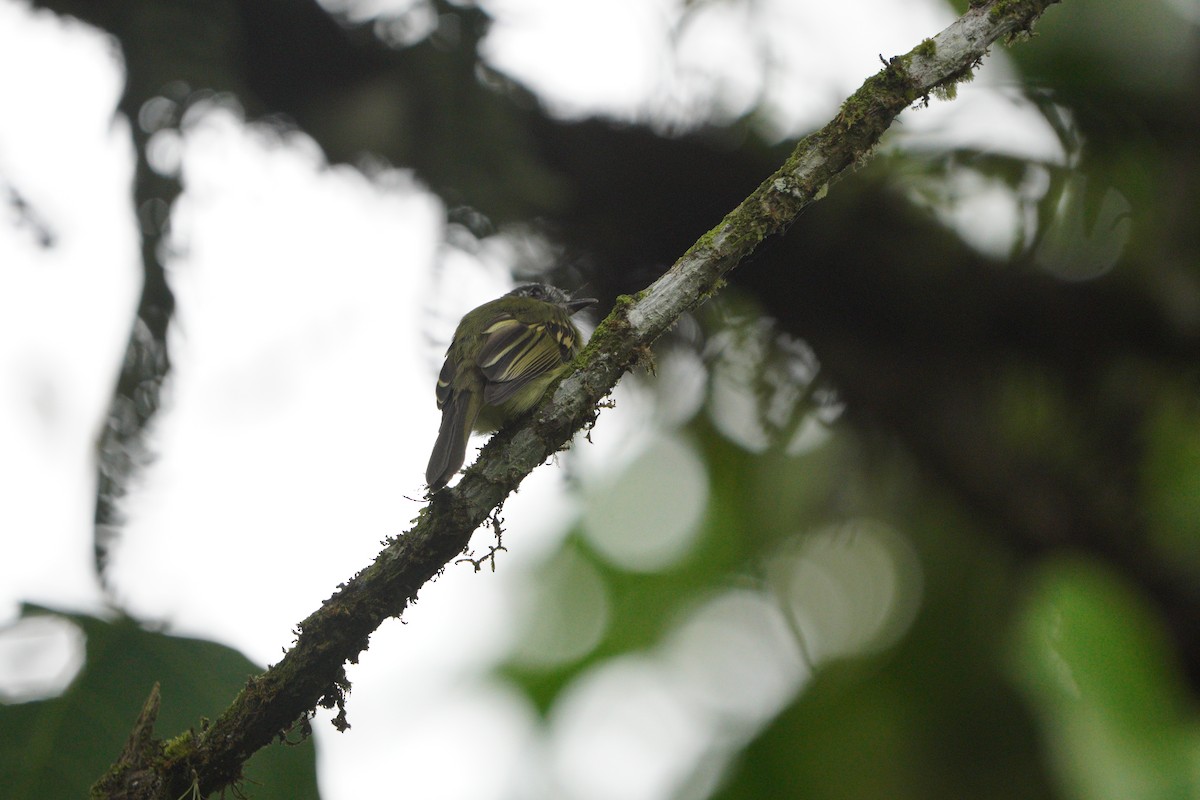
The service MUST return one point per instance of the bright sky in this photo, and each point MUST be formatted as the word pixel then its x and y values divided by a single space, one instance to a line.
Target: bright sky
pixel 314 304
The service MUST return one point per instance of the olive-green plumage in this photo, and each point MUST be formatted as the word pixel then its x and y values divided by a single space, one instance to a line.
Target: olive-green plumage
pixel 503 357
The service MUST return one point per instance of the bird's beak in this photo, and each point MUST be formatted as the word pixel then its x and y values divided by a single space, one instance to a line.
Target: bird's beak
pixel 577 304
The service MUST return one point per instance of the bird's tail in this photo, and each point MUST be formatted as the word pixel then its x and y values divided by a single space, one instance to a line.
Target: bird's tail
pixel 450 449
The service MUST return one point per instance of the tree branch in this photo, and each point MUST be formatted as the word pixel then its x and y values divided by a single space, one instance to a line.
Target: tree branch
pixel 312 673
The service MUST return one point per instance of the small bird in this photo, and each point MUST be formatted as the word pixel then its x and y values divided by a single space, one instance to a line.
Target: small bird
pixel 503 357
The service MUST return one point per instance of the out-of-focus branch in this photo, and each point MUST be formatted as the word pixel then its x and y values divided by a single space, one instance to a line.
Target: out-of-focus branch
pixel 312 672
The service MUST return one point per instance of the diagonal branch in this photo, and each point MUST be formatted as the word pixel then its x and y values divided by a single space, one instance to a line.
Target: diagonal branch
pixel 312 672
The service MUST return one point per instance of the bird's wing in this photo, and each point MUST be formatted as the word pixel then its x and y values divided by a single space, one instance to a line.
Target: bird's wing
pixel 446 380
pixel 515 353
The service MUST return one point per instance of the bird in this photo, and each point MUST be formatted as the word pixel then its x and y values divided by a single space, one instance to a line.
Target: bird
pixel 504 355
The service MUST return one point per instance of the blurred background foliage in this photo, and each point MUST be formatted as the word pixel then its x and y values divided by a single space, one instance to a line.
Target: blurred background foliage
pixel 918 514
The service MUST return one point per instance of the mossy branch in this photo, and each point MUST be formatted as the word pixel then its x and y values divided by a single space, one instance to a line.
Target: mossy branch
pixel 312 673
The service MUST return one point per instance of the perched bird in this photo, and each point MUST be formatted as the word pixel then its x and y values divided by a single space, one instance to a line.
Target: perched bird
pixel 503 357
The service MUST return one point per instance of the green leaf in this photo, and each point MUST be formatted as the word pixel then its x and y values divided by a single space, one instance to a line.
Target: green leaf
pixel 59 747
pixel 1095 663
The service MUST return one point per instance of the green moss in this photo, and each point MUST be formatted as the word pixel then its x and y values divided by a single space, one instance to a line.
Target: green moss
pixel 890 88
pixel 613 327
pixel 180 747
pixel 855 107
pixel 945 91
pixel 926 49
pixel 1002 9
pixel 1021 10
pixel 624 301
pixel 705 241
